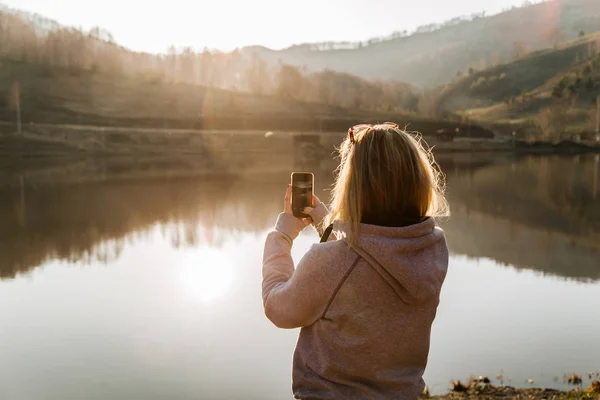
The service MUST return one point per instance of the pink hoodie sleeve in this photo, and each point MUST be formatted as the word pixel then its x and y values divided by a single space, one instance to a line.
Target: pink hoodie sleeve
pixel 318 215
pixel 298 297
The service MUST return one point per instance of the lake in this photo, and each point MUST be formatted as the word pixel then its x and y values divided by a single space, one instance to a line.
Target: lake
pixel 142 279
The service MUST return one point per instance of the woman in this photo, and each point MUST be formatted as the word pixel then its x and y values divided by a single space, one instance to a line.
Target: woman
pixel 366 301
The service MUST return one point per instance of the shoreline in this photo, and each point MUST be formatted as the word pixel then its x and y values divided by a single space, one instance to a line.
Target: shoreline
pixel 480 388
pixel 48 141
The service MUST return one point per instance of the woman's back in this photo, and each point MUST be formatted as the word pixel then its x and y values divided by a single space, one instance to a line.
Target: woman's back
pixel 372 339
pixel 365 302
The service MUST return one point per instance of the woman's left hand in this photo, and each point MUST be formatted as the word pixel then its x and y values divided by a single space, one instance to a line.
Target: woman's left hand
pixel 315 203
pixel 287 206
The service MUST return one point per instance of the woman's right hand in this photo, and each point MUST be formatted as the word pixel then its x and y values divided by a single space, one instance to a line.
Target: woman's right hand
pixel 287 203
pixel 287 206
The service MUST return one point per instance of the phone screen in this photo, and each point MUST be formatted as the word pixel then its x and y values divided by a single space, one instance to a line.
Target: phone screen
pixel 302 192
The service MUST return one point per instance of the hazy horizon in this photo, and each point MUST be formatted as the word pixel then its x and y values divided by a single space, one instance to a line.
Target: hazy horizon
pixel 235 24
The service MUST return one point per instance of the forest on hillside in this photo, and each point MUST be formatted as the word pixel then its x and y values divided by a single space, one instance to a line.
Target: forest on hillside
pixel 33 39
pixel 507 68
pixel 551 93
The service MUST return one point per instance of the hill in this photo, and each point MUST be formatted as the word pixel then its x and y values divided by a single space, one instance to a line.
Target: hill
pixel 436 53
pixel 78 96
pixel 549 92
pixel 33 39
pixel 431 56
pixel 68 96
pixel 55 100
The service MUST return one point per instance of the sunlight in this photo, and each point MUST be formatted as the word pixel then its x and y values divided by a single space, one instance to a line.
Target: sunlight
pixel 207 274
pixel 264 22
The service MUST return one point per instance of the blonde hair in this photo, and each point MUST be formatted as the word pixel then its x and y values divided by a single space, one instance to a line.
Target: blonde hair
pixel 385 177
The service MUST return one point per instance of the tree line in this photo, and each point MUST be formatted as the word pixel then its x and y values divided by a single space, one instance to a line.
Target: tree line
pixel 345 90
pixel 36 40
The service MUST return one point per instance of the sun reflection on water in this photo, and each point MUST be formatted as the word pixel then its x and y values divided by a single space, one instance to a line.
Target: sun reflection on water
pixel 206 274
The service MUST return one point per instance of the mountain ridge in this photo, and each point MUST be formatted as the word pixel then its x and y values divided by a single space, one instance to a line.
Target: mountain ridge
pixel 429 59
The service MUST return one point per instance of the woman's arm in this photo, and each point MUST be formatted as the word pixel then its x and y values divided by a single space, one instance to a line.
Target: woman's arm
pixel 298 297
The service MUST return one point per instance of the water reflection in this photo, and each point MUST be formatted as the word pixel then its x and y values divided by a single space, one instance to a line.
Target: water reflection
pixel 540 213
pixel 206 273
pixel 537 212
pixel 144 282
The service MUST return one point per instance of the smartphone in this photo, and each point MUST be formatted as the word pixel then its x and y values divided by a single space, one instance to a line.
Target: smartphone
pixel 302 192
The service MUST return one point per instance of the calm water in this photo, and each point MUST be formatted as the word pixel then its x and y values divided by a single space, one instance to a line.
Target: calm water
pixel 124 281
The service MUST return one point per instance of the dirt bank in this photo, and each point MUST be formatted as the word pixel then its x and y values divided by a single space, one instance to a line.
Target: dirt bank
pixel 477 390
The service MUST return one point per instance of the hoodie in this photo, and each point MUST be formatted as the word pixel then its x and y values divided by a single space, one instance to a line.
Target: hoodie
pixel 365 311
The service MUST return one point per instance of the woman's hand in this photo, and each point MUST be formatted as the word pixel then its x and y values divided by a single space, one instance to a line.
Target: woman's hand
pixel 315 203
pixel 287 205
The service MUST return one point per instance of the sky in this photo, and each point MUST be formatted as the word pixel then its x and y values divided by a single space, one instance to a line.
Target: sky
pixel 152 26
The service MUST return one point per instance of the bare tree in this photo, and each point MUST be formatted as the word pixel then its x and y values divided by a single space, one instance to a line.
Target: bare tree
pixel 16 102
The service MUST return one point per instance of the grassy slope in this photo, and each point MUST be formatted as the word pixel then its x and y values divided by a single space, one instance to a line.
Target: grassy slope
pixel 56 95
pixel 526 84
pixel 525 74
pixel 59 96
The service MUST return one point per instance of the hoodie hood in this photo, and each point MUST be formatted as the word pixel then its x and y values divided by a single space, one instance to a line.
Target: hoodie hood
pixel 412 259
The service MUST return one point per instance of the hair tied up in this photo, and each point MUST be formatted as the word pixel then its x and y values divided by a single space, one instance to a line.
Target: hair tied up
pixel 351 135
